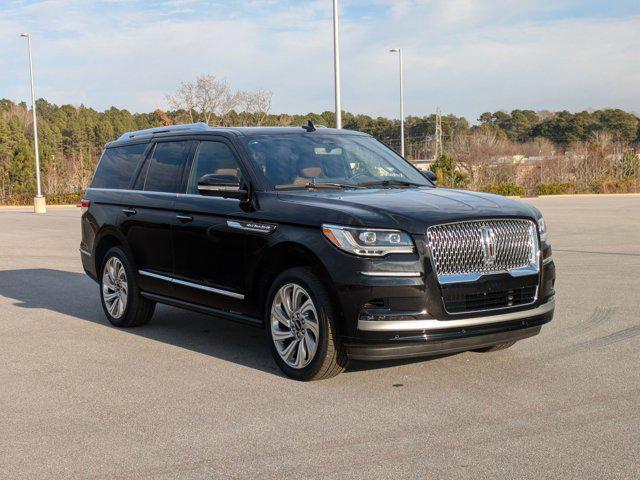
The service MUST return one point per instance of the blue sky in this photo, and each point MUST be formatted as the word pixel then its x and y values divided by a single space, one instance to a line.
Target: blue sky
pixel 465 56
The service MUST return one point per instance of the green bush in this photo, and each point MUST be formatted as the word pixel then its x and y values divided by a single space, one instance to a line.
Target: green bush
pixel 556 188
pixel 628 165
pixel 506 189
pixel 616 185
pixel 447 174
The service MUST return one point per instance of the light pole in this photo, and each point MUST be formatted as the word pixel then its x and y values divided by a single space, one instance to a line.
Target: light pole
pixel 39 202
pixel 399 50
pixel 336 64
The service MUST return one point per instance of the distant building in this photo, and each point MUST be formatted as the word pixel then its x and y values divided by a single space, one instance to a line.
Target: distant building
pixel 423 164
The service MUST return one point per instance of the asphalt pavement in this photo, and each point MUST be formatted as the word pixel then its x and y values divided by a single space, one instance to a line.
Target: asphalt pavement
pixel 190 396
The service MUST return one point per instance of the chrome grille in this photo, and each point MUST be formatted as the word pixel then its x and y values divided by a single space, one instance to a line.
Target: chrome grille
pixel 459 249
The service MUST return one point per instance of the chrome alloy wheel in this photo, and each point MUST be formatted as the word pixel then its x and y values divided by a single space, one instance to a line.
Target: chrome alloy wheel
pixel 115 287
pixel 295 327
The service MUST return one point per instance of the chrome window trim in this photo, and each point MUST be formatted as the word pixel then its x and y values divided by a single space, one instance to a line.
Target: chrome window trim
pixel 433 324
pixel 177 194
pixel 391 274
pixel 191 284
pixel 129 190
pixel 199 195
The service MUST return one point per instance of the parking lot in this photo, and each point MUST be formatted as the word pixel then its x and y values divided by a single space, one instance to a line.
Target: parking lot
pixel 190 396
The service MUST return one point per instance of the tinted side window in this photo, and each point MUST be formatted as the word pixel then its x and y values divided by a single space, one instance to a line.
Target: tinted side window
pixel 212 157
pixel 117 166
pixel 163 169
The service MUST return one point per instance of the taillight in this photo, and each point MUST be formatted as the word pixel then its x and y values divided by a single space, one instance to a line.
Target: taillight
pixel 84 204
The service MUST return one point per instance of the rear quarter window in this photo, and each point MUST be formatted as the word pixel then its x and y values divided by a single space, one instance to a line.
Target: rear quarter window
pixel 117 166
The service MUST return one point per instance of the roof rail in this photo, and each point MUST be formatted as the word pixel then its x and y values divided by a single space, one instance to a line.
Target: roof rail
pixel 147 132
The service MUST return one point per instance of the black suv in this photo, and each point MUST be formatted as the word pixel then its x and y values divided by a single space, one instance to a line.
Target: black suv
pixel 335 245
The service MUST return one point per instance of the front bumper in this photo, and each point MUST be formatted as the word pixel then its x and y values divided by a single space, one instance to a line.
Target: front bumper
pixel 451 336
pixel 432 324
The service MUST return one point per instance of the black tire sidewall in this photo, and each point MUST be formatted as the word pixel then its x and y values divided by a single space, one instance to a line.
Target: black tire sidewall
pixel 307 280
pixel 131 286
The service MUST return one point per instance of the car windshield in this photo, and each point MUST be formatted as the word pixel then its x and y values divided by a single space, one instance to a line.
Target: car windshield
pixel 310 159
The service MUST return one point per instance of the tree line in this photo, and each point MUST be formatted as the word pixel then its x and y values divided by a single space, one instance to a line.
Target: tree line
pixel 72 137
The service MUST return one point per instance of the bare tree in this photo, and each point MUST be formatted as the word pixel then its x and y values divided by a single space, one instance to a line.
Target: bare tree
pixel 256 104
pixel 184 99
pixel 475 153
pixel 214 98
pixel 209 98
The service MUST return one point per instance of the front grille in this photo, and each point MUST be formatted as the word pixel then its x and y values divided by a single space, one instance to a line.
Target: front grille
pixel 463 303
pixel 483 246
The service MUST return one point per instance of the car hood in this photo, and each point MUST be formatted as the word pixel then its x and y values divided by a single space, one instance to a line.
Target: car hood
pixel 410 209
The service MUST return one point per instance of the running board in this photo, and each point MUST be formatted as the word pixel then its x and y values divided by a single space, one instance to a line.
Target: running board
pixel 235 317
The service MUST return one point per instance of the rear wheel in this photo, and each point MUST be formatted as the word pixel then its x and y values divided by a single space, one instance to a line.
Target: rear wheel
pixel 495 348
pixel 301 327
pixel 121 300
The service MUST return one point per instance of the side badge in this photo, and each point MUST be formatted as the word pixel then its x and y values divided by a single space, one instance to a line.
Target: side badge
pixel 249 226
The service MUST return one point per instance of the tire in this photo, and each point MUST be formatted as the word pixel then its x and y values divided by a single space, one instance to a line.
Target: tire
pixel 495 348
pixel 293 332
pixel 119 294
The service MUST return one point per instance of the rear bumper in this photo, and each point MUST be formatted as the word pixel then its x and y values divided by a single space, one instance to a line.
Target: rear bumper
pixel 454 338
pixel 88 263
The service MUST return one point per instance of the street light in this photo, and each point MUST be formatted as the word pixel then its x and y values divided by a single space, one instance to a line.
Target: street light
pixel 336 64
pixel 39 202
pixel 399 51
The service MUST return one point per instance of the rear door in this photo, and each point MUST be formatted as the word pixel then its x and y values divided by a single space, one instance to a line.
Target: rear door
pixel 114 174
pixel 148 213
pixel 209 250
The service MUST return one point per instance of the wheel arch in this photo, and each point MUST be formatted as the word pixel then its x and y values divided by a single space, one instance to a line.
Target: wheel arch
pixel 284 256
pixel 107 239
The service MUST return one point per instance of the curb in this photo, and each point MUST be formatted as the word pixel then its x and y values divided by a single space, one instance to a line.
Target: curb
pixel 22 207
pixel 574 195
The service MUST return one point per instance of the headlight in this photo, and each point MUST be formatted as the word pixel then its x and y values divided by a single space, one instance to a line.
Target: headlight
pixel 542 228
pixel 368 242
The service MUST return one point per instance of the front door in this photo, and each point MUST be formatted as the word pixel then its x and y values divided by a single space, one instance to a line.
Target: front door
pixel 209 252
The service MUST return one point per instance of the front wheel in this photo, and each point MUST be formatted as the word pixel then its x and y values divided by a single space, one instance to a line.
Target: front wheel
pixel 301 327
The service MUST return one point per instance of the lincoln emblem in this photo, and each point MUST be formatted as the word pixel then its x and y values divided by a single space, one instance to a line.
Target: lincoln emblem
pixel 487 240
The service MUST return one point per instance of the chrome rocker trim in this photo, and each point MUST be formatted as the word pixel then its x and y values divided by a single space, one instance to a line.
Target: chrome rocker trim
pixel 191 284
pixel 433 324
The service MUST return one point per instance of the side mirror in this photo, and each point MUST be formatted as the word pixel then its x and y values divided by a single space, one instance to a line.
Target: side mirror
pixel 221 185
pixel 429 175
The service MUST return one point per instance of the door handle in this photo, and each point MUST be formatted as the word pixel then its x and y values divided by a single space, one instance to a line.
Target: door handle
pixel 129 211
pixel 184 218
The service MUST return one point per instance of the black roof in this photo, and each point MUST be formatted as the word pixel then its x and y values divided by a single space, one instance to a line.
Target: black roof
pixel 202 128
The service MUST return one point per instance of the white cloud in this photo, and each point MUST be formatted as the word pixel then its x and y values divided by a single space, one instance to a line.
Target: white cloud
pixel 466 56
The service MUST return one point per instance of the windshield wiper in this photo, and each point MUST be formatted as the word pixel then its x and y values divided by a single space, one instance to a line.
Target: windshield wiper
pixel 318 185
pixel 390 183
